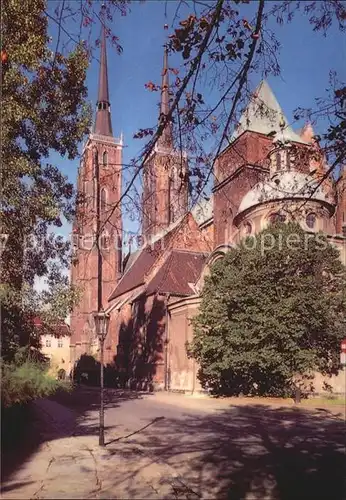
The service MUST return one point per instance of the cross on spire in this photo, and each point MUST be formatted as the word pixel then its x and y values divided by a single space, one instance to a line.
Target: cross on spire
pixel 103 123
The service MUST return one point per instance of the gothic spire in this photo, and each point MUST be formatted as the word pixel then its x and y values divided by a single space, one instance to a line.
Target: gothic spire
pixel 166 139
pixel 103 124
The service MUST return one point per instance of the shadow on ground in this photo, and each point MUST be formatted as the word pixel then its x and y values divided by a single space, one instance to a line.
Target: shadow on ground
pixel 253 451
pixel 245 452
pixel 24 429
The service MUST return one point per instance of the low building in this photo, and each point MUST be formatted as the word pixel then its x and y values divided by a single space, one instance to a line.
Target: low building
pixel 55 346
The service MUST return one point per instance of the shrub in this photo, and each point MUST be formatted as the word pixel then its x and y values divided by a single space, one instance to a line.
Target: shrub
pixel 25 382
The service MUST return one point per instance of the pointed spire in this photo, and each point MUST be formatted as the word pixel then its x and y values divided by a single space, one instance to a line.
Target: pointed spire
pixel 264 115
pixel 166 139
pixel 103 124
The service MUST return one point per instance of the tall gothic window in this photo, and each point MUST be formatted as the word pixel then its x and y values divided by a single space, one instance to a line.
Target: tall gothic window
pixel 105 241
pixel 172 195
pixel 288 160
pixel 95 160
pixel 103 199
pixel 278 161
pixel 105 158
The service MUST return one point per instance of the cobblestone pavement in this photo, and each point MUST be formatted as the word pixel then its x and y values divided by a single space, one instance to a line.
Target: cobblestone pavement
pixel 173 446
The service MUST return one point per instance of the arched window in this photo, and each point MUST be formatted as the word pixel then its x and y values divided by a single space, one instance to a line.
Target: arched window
pixel 247 228
pixel 95 160
pixel 94 193
pixel 105 241
pixel 311 220
pixel 103 199
pixel 278 160
pixel 105 158
pixel 276 217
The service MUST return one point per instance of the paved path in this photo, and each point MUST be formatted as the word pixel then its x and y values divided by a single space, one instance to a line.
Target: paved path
pixel 172 446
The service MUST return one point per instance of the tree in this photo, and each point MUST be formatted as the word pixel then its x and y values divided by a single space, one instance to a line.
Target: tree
pixel 272 313
pixel 44 110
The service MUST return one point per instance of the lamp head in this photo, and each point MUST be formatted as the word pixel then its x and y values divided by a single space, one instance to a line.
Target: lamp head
pixel 101 319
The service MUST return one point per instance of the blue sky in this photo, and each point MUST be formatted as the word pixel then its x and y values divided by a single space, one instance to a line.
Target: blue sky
pixel 305 59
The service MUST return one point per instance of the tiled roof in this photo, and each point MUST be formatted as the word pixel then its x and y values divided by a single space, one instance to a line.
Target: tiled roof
pixel 135 275
pixel 141 264
pixel 129 259
pixel 285 185
pixel 263 114
pixel 59 329
pixel 181 268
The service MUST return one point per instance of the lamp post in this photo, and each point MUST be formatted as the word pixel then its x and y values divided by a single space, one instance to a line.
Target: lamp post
pixel 101 319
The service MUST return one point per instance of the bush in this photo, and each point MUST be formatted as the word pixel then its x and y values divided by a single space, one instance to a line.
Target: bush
pixel 25 382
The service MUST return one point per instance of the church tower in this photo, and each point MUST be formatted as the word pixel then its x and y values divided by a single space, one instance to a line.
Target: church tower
pixel 165 186
pixel 97 229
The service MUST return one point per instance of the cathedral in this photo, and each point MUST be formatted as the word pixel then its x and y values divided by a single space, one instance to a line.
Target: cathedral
pixel 267 172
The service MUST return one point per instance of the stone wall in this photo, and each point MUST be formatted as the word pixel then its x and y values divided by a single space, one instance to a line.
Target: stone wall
pixel 336 384
pixel 227 198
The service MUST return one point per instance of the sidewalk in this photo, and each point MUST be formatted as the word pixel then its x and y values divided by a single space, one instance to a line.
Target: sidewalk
pixel 76 467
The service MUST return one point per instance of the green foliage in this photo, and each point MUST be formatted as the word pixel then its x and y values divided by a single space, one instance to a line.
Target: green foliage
pixel 271 316
pixel 45 110
pixel 25 380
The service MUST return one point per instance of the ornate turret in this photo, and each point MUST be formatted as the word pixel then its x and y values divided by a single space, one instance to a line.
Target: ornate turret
pixel 103 124
pixel 281 157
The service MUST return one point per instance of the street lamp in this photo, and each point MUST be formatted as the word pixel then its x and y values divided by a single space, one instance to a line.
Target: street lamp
pixel 101 319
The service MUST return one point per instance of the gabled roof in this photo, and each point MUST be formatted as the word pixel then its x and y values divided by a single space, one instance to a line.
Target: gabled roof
pixel 129 259
pixel 59 329
pixel 181 268
pixel 264 115
pixel 143 260
pixel 141 265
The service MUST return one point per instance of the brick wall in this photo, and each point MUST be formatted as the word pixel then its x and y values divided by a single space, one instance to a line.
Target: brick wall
pixel 227 199
pixel 250 148
pixel 84 269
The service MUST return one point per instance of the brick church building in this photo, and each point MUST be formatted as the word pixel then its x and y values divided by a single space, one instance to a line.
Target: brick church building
pixel 152 293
